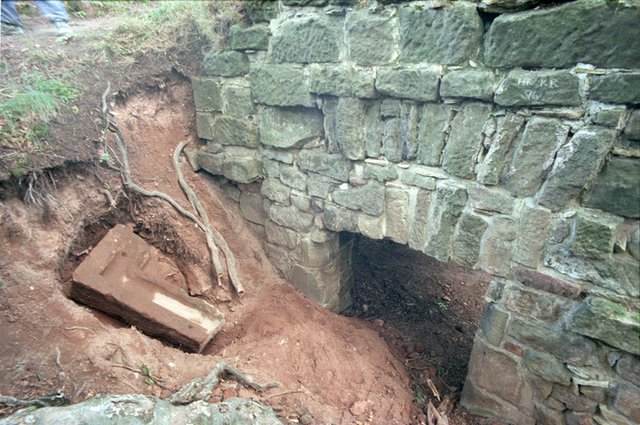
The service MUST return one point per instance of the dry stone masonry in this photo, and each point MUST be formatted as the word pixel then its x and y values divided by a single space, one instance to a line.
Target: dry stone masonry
pixel 498 135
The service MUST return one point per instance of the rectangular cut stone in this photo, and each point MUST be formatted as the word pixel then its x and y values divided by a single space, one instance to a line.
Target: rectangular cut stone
pixel 391 140
pixel 127 278
pixel 448 35
pixel 275 191
pixel 230 131
pixel 368 198
pixel 241 167
pixel 373 131
pixel 616 87
pixel 330 165
pixel 306 39
pixel 497 246
pixel 226 64
pixel 432 132
pixel 251 207
pixel 409 115
pixel 493 322
pixel 466 241
pixel 615 190
pixel 544 282
pixel 291 217
pixel 293 177
pixel 371 226
pixel 340 219
pixel 533 226
pixel 349 132
pixel 418 220
pixel 237 100
pixel 209 161
pixel 472 84
pixel 535 305
pixel 206 94
pixel 255 37
pixel 408 83
pixel 530 88
pixel 445 209
pixel 494 163
pixel 576 164
pixel 411 178
pixel 286 128
pixel 396 211
pixel 341 81
pixel 594 233
pixel 465 140
pixel 204 125
pixel 320 186
pixel 381 172
pixel 368 38
pixel 281 236
pixel 599 35
pixel 290 81
pixel 626 401
pixel 491 200
pixel 533 155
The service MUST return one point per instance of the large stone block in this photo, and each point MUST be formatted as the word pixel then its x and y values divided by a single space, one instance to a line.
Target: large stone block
pixel 594 233
pixel 368 198
pixel 341 80
pixel 368 38
pixel 279 85
pixel 280 236
pixel 497 246
pixel 289 127
pixel 251 207
pixel 275 191
pixel 536 305
pixel 480 402
pixel 629 367
pixel 330 165
pixel 533 225
pixel 626 401
pixel 255 37
pixel 616 188
pixel 609 322
pixel 210 161
pixel 493 323
pixel 349 127
pixel 231 131
pixel 294 178
pixel 534 155
pixel 571 398
pixel 396 212
pixel 408 83
pixel 530 88
pixel 465 140
pixel 491 169
pixel 546 283
pixel 474 84
pixel 204 125
pixel 576 164
pixel 547 367
pixel 465 249
pixel 226 64
pixel 445 210
pixel 491 200
pixel 127 278
pixel 632 129
pixel 589 31
pixel 306 39
pixel 419 219
pixel 206 94
pixel 242 167
pixel 616 87
pixel 291 217
pixel 237 99
pixel 432 132
pixel 371 227
pixel 448 35
pixel 381 172
pixel 340 219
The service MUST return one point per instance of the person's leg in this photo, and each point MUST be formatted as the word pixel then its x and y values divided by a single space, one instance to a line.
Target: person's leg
pixel 53 10
pixel 8 14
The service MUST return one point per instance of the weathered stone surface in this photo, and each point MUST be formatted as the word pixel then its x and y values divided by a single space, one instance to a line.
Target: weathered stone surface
pixel 381 172
pixel 110 280
pixel 396 211
pixel 275 191
pixel 390 107
pixel 448 35
pixel 408 83
pixel 204 125
pixel 493 323
pixel 544 282
pixel 241 167
pixel 616 87
pixel 412 178
pixel 465 249
pixel 534 155
pixel 329 165
pixel 237 100
pixel 341 80
pixel 480 402
pixel 594 233
pixel 568 347
pixel 251 207
pixel 291 217
pixel 616 189
pixel 542 307
pixel 608 117
pixel 209 161
pixel 474 84
pixel 443 216
pixel 368 198
pixel 530 88
pixel 226 64
pixel 349 130
pixel 206 94
pixel 286 157
pixel 230 131
pixel 391 148
pixel 494 163
pixel 317 254
pixel 599 34
pixel 497 245
pixel 547 367
pixel 301 201
pixel 290 81
pixel 368 38
pixel 626 401
pixel 255 37
pixel 261 10
pixel 281 236
pixel 340 219
pixel 371 227
pixel 573 401
pixel 547 416
pixel 306 39
pixel 418 223
pixel 533 225
pixel 608 416
pixel 465 140
pixel 609 322
pixel 320 186
pixel 432 133
pixel 632 129
pixel 293 178
pixel 576 164
pixel 491 200
pixel 629 367
pixel 289 127
pixel 135 409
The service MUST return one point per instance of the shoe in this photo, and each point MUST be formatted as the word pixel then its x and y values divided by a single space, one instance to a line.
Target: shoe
pixel 8 29
pixel 63 30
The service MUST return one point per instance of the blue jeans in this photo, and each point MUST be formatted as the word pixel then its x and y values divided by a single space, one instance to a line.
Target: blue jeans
pixel 53 10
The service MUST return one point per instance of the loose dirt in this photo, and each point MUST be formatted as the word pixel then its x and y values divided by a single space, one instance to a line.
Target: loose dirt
pixel 367 368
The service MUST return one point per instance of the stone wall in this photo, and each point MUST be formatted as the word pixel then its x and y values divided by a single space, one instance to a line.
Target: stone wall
pixel 506 141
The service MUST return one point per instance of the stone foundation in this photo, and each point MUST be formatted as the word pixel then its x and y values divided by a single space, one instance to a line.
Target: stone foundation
pixel 510 145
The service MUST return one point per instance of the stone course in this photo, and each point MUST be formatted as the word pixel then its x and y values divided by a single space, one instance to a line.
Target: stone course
pixel 508 145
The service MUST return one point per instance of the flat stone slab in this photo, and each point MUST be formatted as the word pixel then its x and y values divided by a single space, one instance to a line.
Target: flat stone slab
pixel 125 277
